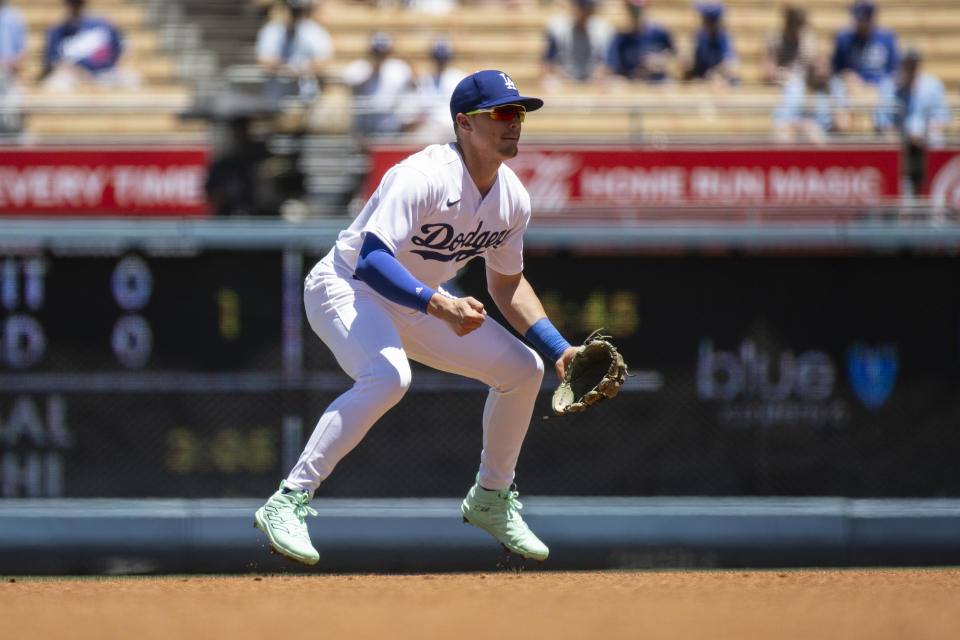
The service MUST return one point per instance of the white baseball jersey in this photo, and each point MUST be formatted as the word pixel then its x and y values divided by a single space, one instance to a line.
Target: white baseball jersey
pixel 429 213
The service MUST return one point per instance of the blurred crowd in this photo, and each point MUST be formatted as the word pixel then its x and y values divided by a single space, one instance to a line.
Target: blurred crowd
pixel 584 52
pixel 389 96
pixel 81 49
pixel 816 86
pixel 582 49
pixel 821 92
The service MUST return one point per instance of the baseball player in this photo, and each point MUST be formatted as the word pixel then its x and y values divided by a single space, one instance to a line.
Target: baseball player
pixel 377 300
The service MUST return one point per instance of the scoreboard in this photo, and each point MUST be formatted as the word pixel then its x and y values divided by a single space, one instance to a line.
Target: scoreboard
pixel 174 360
pixel 212 311
pixel 144 359
pixel 126 357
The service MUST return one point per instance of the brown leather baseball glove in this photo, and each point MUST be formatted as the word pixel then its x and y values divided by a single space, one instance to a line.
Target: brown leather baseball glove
pixel 596 373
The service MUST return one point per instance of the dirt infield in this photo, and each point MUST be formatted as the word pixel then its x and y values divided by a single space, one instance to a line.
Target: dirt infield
pixel 875 604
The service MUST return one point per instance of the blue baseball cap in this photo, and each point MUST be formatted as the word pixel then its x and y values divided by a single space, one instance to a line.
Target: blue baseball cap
pixel 381 42
pixel 863 9
pixel 711 11
pixel 486 89
pixel 441 49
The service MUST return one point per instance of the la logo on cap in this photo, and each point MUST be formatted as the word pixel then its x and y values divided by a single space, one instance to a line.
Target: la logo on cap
pixel 508 82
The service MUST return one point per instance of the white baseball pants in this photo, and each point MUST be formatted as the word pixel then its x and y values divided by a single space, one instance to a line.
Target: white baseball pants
pixel 372 339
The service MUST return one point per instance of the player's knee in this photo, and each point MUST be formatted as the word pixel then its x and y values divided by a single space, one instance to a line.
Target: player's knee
pixel 389 374
pixel 395 380
pixel 525 368
pixel 393 388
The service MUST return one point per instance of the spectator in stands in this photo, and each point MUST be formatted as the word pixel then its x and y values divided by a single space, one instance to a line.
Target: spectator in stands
pixel 85 50
pixel 714 58
pixel 789 52
pixel 644 50
pixel 577 46
pixel 866 57
pixel 13 46
pixel 812 106
pixel 866 53
pixel 434 88
pixel 294 53
pixel 13 41
pixel 381 86
pixel 919 113
pixel 237 184
pixel 436 7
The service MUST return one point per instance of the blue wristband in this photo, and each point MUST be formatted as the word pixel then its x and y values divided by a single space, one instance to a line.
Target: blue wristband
pixel 548 341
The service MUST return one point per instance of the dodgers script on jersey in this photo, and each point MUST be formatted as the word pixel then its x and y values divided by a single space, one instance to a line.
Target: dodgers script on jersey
pixel 429 212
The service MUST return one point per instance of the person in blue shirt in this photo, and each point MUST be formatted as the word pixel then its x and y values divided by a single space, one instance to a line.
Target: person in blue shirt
pixel 866 58
pixel 714 57
pixel 866 51
pixel 644 50
pixel 83 49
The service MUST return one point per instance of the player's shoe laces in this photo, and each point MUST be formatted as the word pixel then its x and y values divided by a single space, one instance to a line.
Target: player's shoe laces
pixel 498 513
pixel 282 519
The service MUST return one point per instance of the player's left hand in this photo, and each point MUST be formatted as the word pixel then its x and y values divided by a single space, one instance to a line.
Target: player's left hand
pixel 596 372
pixel 564 361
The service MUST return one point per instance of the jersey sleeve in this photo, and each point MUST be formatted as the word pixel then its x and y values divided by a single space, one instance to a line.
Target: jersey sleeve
pixel 507 256
pixel 403 199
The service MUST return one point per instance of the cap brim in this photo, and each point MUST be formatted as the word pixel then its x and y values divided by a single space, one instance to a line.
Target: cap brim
pixel 530 104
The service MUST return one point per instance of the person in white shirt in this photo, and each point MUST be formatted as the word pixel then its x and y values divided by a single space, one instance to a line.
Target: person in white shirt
pixel 434 88
pixel 917 112
pixel 294 53
pixel 14 34
pixel 382 88
pixel 377 300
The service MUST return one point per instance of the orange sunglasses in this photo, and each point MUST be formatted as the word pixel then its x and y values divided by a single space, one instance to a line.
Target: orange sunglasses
pixel 506 112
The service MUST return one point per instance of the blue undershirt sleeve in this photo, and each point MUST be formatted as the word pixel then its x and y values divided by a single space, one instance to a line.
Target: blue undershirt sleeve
pixel 378 268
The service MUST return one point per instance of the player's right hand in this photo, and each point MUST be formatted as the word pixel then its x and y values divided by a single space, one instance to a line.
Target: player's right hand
pixel 462 315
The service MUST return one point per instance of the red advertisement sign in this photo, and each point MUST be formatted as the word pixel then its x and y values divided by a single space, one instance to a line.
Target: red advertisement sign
pixel 103 181
pixel 943 178
pixel 562 176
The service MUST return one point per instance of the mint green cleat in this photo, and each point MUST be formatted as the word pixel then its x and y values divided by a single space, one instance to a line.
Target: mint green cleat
pixel 498 513
pixel 282 519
